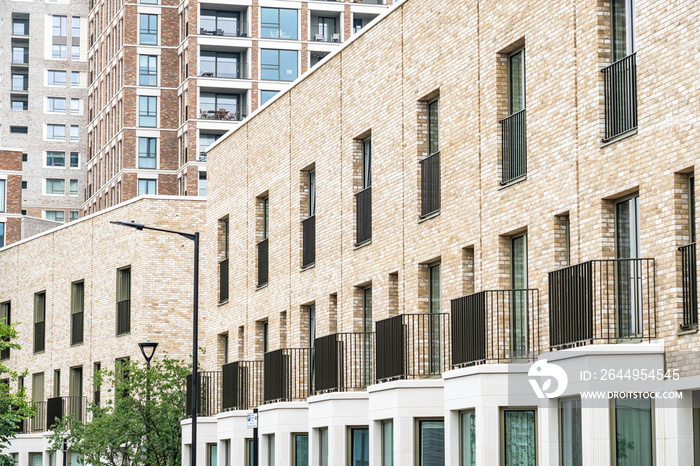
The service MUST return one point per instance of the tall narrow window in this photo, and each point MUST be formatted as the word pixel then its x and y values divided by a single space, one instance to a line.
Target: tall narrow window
pixel 435 327
pixel 39 321
pixel 309 223
pixel 265 337
pixel 77 304
pixel 148 112
pixel 513 137
pixel 5 319
pixel 387 443
pixel 689 265
pixel 359 446
pixel 519 306
pixel 363 199
pixel 634 434
pixel 301 450
pixel 263 245
pixel 271 450
pixel 629 270
pixel 430 166
pixel 570 432
pixel 467 439
pixel 223 259
pixel 75 393
pixel 38 393
pixel 431 443
pixel 56 383
pixel 148 70
pixel 123 300
pixel 323 446
pixel 96 387
pixel 620 78
pixel 3 195
pixel 519 438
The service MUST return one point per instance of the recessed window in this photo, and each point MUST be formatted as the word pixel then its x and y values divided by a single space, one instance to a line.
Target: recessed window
pixel 267 95
pixel 359 446
pixel 148 70
pixel 55 186
pixel 148 29
pixel 73 215
pixel 147 187
pixel 74 78
pixel 221 23
pixel 5 316
pixel 55 159
pixel 18 129
pixel 278 23
pixel 74 133
pixel 39 321
pixel 2 234
pixel 60 26
pixel 20 81
pixel 148 111
pixel 58 51
pixel 77 304
pixel 220 64
pixel 20 54
pixel 519 438
pixel 634 432
pixel 3 195
pixel 74 159
pixel 147 152
pixel 73 187
pixel 431 442
pixel 57 78
pixel 467 438
pixel 56 132
pixel 24 185
pixel 56 104
pixel 55 215
pixel 75 105
pixel 20 25
pixel 570 436
pixel 19 103
pixel 278 65
pixel 124 300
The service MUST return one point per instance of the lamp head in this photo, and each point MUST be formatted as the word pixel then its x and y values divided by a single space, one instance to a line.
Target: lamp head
pixel 148 349
pixel 132 224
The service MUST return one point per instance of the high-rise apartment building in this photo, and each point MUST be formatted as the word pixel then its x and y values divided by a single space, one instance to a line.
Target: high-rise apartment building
pixel 167 78
pixel 43 83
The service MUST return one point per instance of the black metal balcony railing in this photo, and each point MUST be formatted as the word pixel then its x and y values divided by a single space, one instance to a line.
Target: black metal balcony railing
pixel 513 147
pixel 495 326
pixel 308 241
pixel 242 385
pixel 620 82
pixel 223 280
pixel 602 301
pixel 430 184
pixel 412 346
pixel 123 317
pixel 690 286
pixel 222 114
pixel 76 329
pixel 232 29
pixel 363 205
pixel 288 374
pixel 223 70
pixel 209 400
pixel 343 362
pixel 263 258
pixel 37 423
pixel 58 407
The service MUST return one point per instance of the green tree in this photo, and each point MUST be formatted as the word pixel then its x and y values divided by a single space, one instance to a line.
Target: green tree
pixel 128 429
pixel 14 406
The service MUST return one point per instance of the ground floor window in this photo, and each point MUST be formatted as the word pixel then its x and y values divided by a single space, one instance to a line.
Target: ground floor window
pixel 271 450
pixel 301 450
pixel 212 454
pixel 359 446
pixel 387 443
pixel 431 443
pixel 519 437
pixel 634 437
pixel 250 452
pixel 570 432
pixel 467 438
pixel 323 446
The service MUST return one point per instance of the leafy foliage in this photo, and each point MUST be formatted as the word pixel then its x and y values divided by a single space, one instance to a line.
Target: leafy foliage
pixel 14 406
pixel 129 429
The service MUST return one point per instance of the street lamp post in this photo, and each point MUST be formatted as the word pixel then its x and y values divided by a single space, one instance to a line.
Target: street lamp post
pixel 195 308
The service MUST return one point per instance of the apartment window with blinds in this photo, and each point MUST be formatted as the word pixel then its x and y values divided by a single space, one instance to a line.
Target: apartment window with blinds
pixel 77 306
pixel 5 319
pixel 123 300
pixel 39 321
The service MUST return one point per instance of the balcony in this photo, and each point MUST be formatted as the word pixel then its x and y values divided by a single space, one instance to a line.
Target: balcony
pixel 58 407
pixel 602 301
pixel 242 385
pixel 209 399
pixel 263 256
pixel 308 242
pixel 223 281
pixel 498 326
pixel 412 346
pixel 222 68
pixel 369 2
pixel 620 83
pixel 222 115
pixel 363 206
pixel 343 362
pixel 513 147
pixel 288 375
pixel 690 286
pixel 228 29
pixel 202 156
pixel 37 423
pixel 430 184
pixel 325 29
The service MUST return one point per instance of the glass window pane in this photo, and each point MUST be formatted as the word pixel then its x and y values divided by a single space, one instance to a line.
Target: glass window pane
pixel 387 443
pixel 288 24
pixel 516 82
pixel 267 95
pixel 570 432
pixel 519 438
pixel 467 439
pixel 301 450
pixel 633 432
pixel 269 22
pixel 288 65
pixel 431 443
pixel 359 449
pixel 323 446
pixel 433 127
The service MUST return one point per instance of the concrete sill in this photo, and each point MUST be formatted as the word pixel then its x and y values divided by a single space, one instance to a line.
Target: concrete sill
pixel 307 267
pixel 517 180
pixel 362 245
pixel 619 137
pixel 688 331
pixel 260 287
pixel 429 216
pixel 221 303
